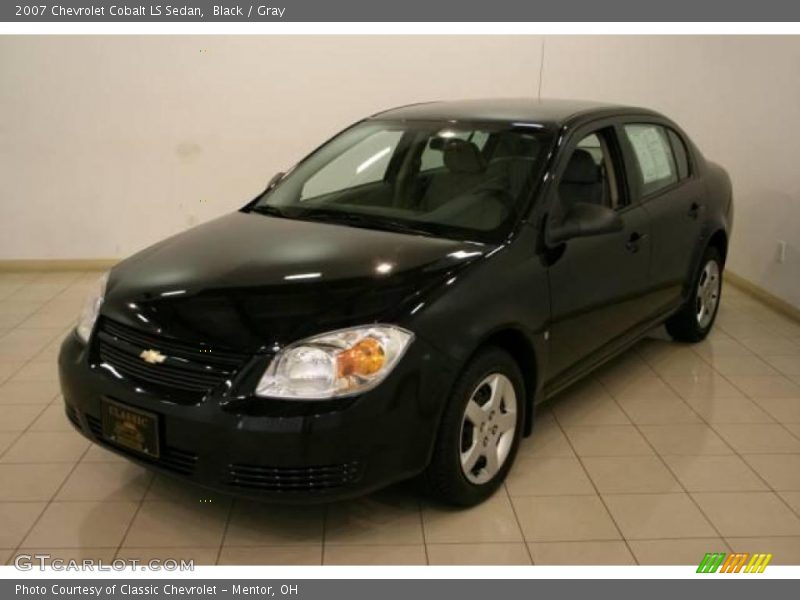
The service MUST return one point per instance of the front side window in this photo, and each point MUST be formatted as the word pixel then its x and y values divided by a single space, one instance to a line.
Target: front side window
pixel 445 179
pixel 590 175
pixel 654 158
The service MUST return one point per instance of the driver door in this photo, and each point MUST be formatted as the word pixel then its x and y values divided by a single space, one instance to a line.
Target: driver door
pixel 598 283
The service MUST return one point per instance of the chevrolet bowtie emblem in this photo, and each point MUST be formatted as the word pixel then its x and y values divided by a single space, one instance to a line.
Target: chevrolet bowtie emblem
pixel 154 357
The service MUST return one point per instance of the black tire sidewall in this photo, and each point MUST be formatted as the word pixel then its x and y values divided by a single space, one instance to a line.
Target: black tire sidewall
pixel 683 326
pixel 446 477
pixel 711 254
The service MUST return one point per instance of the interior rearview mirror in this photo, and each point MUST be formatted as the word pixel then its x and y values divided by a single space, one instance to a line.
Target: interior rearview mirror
pixel 584 219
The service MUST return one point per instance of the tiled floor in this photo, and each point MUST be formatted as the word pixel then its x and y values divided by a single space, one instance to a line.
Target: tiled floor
pixel 667 453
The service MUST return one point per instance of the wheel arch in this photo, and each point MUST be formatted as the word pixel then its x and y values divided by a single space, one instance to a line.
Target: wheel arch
pixel 719 240
pixel 522 349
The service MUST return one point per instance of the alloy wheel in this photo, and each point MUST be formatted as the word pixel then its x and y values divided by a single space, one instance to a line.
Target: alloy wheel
pixel 707 298
pixel 488 428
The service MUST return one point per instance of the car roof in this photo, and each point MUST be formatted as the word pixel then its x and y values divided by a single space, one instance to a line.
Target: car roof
pixel 547 112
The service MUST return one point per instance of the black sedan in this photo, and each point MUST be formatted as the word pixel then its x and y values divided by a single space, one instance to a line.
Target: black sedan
pixel 398 302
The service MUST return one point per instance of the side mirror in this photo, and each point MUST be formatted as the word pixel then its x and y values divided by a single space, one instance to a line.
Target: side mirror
pixel 584 219
pixel 274 181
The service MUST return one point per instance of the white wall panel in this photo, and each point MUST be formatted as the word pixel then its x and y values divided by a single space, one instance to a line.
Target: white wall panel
pixel 108 144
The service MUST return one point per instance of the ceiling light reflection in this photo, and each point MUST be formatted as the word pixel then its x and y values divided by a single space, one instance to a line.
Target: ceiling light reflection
pixel 462 254
pixel 373 159
pixel 303 276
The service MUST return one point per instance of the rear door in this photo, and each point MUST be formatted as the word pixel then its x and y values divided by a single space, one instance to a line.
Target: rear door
pixel 596 283
pixel 663 180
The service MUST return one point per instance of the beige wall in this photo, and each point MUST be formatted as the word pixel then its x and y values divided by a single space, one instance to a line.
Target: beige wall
pixel 110 143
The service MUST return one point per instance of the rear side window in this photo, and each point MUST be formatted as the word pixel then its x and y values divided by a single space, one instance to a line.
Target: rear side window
pixel 681 156
pixel 653 151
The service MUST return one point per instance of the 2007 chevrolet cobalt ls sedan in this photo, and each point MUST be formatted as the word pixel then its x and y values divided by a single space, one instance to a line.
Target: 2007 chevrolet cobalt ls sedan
pixel 400 300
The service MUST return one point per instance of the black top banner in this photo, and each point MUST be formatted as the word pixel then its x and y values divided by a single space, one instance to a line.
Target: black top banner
pixel 405 11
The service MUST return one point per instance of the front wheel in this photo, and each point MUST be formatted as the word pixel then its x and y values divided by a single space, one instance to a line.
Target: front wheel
pixel 480 431
pixel 693 322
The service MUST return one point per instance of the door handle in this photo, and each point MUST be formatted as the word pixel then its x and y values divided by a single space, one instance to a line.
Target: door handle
pixel 632 245
pixel 694 210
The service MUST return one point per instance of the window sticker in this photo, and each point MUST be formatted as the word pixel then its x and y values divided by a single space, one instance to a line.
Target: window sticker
pixel 652 151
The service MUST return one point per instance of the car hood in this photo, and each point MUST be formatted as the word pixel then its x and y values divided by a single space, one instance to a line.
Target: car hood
pixel 251 282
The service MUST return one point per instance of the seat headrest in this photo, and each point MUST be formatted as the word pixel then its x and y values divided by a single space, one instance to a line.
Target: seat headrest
pixel 581 168
pixel 461 156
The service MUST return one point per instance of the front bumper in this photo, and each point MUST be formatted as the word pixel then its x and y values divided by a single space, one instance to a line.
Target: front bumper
pixel 321 452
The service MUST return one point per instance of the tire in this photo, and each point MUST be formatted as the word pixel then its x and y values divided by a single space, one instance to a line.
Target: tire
pixel 693 322
pixel 490 390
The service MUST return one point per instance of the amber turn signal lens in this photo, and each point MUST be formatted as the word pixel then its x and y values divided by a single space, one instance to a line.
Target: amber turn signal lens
pixel 366 357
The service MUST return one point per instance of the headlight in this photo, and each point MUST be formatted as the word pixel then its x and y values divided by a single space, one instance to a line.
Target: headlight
pixel 91 308
pixel 339 363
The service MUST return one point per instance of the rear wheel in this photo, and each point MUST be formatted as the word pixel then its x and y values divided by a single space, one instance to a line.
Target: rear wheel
pixel 480 431
pixel 693 322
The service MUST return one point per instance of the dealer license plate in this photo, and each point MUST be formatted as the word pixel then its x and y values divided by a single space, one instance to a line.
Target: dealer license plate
pixel 130 428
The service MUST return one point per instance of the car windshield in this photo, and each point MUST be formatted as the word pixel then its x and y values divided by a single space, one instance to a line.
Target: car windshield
pixel 456 180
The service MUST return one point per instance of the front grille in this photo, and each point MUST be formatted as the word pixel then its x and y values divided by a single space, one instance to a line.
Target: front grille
pixel 245 477
pixel 299 479
pixel 180 461
pixel 189 371
pixel 172 459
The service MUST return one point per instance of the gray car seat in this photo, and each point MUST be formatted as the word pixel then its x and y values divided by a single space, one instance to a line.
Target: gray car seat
pixel 581 181
pixel 464 169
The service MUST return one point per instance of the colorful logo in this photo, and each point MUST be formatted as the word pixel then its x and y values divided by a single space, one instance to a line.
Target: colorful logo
pixel 740 562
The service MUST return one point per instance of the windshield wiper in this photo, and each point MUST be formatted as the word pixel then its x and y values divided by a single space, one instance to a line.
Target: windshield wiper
pixel 272 211
pixel 401 227
pixel 361 220
pixel 329 215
